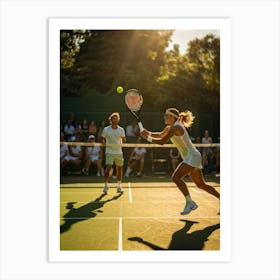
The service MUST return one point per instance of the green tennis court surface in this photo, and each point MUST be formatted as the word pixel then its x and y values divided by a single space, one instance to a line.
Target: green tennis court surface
pixel 145 217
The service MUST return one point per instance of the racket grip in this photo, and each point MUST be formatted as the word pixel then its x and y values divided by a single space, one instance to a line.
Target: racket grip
pixel 140 126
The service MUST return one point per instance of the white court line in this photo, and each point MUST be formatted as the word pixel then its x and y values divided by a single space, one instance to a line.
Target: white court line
pixel 129 192
pixel 120 235
pixel 146 201
pixel 195 190
pixel 134 218
pixel 120 246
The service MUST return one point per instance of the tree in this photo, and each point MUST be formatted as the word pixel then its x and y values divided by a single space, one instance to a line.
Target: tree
pixel 191 80
pixel 97 61
pixel 70 43
pixel 131 58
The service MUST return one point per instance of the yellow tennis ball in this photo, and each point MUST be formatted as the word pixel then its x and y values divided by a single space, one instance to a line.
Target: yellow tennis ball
pixel 119 89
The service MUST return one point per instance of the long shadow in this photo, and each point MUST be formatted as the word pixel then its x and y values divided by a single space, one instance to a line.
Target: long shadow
pixel 182 240
pixel 85 212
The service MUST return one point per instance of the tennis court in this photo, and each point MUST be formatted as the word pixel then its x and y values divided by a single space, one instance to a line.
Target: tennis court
pixel 145 217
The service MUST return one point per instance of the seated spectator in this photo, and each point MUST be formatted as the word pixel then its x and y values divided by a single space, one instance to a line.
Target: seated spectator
pixel 100 130
pixel 69 130
pixel 197 141
pixel 75 154
pixel 84 128
pixel 137 156
pixel 174 156
pixel 72 119
pixel 92 129
pixel 216 156
pixel 63 152
pixel 93 155
pixel 132 130
pixel 207 152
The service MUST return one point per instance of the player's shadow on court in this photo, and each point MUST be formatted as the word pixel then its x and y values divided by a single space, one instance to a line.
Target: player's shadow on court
pixel 182 240
pixel 84 212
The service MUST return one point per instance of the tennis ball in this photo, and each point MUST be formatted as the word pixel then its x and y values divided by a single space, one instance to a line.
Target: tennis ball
pixel 119 89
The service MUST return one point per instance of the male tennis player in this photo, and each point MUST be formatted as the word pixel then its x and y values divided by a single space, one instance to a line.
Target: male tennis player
pixel 113 135
pixel 175 131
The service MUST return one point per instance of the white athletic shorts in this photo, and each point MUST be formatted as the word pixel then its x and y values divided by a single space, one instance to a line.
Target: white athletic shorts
pixel 68 158
pixel 194 161
pixel 94 158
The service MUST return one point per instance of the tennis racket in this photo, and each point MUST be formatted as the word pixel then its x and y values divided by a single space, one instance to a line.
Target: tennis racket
pixel 134 101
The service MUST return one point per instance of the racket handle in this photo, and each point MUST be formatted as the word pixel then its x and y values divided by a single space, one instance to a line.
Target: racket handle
pixel 140 126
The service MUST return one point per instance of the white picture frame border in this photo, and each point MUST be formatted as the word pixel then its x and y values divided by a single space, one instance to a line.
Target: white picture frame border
pixel 57 24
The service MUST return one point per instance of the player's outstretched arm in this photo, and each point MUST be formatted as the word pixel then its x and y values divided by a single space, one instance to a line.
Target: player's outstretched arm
pixel 174 130
pixel 158 134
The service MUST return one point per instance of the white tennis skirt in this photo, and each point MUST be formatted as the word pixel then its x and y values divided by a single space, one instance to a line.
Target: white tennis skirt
pixel 194 161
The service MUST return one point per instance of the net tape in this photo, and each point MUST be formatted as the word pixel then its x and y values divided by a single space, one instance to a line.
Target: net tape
pixel 134 145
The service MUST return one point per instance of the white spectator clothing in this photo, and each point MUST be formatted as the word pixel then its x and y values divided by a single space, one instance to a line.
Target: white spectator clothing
pixel 93 153
pixel 69 130
pixel 75 150
pixel 139 152
pixel 130 131
pixel 63 150
pixel 207 140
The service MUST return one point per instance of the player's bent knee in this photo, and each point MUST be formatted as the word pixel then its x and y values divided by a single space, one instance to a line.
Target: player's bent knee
pixel 175 178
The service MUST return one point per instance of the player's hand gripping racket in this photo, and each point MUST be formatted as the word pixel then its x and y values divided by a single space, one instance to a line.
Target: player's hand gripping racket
pixel 134 101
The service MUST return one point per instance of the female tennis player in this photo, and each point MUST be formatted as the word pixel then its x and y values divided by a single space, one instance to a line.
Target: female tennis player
pixel 175 131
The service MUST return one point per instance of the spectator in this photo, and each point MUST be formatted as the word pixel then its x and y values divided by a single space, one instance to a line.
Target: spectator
pixel 63 151
pixel 84 128
pixel 69 130
pixel 216 152
pixel 78 131
pixel 100 130
pixel 93 155
pixel 198 141
pixel 72 119
pixel 132 130
pixel 137 157
pixel 207 153
pixel 92 129
pixel 75 154
pixel 174 156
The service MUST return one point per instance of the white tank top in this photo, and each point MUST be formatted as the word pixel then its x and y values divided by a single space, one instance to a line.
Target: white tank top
pixel 184 144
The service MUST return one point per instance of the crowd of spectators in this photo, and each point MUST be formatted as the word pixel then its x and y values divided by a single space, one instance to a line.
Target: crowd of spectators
pixel 90 159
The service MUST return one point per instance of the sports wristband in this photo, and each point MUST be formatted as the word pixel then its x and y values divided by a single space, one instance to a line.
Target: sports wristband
pixel 150 139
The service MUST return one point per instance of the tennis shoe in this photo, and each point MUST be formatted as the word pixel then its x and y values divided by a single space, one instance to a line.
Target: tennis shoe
pixel 119 189
pixel 190 206
pixel 105 189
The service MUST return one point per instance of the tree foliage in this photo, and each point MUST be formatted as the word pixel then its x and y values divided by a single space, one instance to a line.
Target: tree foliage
pixel 100 60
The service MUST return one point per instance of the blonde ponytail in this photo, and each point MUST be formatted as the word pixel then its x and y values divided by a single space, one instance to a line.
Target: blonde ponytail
pixel 186 118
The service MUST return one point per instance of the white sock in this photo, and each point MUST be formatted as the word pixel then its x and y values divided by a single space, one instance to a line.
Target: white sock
pixel 188 198
pixel 106 183
pixel 119 183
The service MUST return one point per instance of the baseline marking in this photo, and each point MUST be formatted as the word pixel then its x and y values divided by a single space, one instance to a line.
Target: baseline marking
pixel 148 217
pixel 129 192
pixel 120 245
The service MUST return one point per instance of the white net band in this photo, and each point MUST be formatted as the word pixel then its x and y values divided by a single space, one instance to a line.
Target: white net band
pixel 134 145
